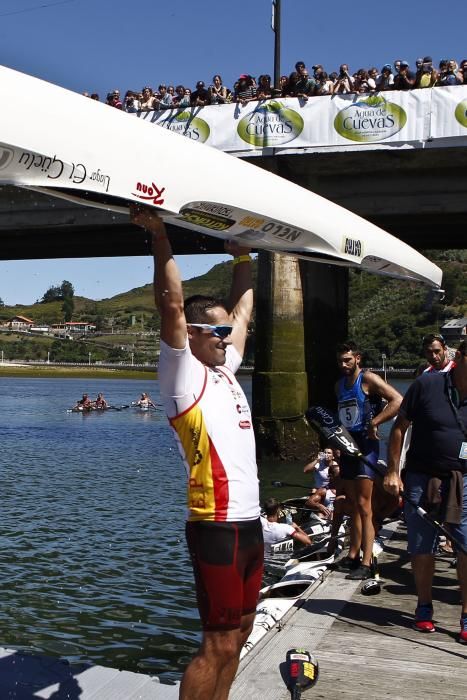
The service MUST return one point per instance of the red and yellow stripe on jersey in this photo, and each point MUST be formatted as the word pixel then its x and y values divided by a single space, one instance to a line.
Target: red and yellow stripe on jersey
pixel 216 440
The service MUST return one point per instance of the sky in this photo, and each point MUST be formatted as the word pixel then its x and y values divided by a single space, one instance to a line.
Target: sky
pixel 100 45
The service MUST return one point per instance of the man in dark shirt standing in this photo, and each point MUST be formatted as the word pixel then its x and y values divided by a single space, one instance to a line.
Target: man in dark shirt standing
pixel 200 96
pixel 436 466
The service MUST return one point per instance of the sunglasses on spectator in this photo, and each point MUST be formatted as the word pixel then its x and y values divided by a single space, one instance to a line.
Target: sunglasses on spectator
pixel 221 331
pixel 427 339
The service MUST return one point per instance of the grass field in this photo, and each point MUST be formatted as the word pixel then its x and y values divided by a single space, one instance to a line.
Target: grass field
pixel 78 372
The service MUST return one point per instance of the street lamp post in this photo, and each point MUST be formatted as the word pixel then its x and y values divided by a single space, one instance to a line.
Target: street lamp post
pixel 383 357
pixel 276 28
pixel 132 358
pixel 89 358
pixel 48 357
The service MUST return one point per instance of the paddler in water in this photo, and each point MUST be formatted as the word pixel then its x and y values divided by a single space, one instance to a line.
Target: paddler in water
pixel 145 401
pixel 100 402
pixel 84 404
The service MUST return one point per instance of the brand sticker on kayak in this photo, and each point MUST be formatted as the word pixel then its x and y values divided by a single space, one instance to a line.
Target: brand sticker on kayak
pixel 149 193
pixel 352 246
pixel 214 222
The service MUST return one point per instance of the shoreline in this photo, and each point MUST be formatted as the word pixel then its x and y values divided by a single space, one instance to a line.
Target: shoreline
pixel 51 372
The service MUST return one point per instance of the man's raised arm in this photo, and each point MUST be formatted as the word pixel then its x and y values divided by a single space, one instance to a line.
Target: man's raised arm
pixel 167 282
pixel 240 304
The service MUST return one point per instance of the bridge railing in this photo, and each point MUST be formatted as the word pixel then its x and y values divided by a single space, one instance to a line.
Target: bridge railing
pixel 415 118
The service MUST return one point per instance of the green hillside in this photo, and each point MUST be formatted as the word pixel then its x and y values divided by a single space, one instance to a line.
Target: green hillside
pixel 386 316
pixel 391 316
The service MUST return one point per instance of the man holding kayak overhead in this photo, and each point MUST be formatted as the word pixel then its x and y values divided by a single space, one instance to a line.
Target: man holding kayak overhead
pixel 202 344
pixel 360 398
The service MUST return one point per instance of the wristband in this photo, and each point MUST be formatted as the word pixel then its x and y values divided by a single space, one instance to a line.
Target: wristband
pixel 241 259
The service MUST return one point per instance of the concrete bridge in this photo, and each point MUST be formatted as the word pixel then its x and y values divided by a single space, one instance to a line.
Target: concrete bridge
pixel 417 195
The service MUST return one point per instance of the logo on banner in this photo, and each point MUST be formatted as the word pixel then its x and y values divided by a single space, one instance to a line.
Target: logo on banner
pixel 185 124
pixel 271 124
pixel 373 119
pixel 6 156
pixel 460 113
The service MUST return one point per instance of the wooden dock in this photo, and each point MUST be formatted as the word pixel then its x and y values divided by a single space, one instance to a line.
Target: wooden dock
pixel 365 646
pixel 29 677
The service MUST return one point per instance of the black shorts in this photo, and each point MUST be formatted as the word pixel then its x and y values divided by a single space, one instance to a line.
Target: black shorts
pixel 227 560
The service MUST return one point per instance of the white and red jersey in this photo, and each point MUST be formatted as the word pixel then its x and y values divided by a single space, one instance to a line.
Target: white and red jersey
pixel 213 427
pixel 446 368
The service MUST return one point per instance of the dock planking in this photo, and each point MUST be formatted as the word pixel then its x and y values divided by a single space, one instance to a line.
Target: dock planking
pixel 27 676
pixel 366 646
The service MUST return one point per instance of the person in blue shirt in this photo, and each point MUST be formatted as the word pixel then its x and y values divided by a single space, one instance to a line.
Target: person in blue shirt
pixel 365 401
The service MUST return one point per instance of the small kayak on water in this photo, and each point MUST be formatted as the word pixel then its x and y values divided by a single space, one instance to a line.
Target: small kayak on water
pixel 96 409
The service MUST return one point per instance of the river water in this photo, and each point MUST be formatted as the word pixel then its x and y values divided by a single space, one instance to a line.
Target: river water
pixel 93 560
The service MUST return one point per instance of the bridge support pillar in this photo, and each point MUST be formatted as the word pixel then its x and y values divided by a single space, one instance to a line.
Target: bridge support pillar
pixel 325 314
pixel 280 387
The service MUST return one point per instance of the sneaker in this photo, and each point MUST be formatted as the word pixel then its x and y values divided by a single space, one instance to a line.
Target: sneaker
pixel 423 618
pixel 346 564
pixel 463 633
pixel 362 573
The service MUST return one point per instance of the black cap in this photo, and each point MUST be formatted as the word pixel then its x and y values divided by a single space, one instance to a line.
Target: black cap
pixel 427 59
pixel 199 84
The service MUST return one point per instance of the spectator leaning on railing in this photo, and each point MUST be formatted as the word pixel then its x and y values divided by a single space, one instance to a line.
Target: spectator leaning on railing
pixel 462 73
pixel 199 97
pixel 218 94
pixel 344 83
pixel 299 84
pixel 264 90
pixel 386 80
pixel 426 76
pixel 404 78
pixel 244 89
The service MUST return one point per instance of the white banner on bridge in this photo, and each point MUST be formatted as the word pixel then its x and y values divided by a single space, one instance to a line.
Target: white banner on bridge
pixel 410 117
pixel 449 112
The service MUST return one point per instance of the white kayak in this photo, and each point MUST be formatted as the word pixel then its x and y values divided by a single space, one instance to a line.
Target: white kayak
pixel 314 526
pixel 73 147
pixel 276 601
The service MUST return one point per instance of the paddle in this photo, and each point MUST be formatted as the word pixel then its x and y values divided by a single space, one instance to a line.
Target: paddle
pixel 339 438
pixel 302 671
pixel 280 484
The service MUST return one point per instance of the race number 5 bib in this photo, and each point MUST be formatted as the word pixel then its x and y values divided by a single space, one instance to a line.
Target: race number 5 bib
pixel 349 414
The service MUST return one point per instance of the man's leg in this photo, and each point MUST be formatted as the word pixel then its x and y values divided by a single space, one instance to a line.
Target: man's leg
pixel 462 574
pixel 421 539
pixel 364 490
pixel 423 567
pixel 227 674
pixel 210 673
pixel 352 560
pixel 355 519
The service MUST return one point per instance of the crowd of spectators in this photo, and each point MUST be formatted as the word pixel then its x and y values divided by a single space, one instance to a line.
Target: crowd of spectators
pixel 398 76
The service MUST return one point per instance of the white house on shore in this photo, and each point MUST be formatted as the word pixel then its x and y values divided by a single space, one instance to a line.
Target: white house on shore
pixel 73 327
pixel 19 323
pixel 454 330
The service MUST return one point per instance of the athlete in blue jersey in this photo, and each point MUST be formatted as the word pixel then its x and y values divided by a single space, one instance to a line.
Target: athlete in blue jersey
pixel 361 396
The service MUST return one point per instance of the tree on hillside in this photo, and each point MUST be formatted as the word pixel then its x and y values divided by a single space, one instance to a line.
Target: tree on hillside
pixel 2 303
pixel 58 292
pixel 68 308
pixel 52 294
